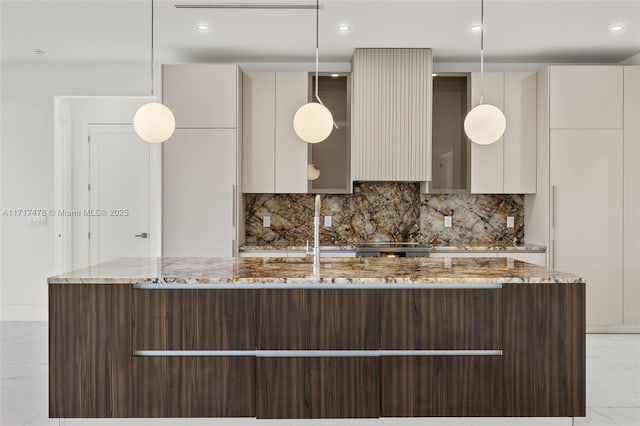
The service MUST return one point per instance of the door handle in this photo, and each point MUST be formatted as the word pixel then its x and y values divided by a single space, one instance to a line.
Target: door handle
pixel 143 235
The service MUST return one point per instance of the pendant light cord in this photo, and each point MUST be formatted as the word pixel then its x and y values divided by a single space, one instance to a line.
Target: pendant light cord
pixel 152 55
pixel 481 51
pixel 317 46
pixel 317 55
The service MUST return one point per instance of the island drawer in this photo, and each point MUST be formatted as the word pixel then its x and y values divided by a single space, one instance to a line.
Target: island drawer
pixel 207 319
pixel 463 319
pixel 441 386
pixel 193 387
pixel 304 319
pixel 309 387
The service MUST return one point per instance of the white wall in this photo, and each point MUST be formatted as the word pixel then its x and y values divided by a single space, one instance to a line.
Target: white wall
pixel 27 92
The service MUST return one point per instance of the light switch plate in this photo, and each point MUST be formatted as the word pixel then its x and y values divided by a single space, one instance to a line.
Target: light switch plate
pixel 327 221
pixel 510 222
pixel 447 221
pixel 266 221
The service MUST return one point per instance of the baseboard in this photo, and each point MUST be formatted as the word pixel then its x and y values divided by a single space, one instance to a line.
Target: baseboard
pixel 613 329
pixel 24 313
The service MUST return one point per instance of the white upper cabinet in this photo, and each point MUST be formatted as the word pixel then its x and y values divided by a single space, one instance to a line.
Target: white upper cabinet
pixel 201 96
pixel 586 97
pixel 258 132
pixel 274 157
pixel 292 90
pixel 509 165
pixel 391 115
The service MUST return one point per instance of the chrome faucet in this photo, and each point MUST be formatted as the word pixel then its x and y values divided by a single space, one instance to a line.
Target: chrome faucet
pixel 316 236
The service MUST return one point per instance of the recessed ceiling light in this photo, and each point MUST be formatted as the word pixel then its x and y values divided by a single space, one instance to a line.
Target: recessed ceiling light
pixel 335 75
pixel 203 27
pixel 476 27
pixel 617 27
pixel 344 28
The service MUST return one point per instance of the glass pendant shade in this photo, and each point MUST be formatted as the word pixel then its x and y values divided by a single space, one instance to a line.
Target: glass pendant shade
pixel 154 122
pixel 313 122
pixel 313 172
pixel 485 124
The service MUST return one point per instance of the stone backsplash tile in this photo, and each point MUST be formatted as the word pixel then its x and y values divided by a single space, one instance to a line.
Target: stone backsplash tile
pixel 386 211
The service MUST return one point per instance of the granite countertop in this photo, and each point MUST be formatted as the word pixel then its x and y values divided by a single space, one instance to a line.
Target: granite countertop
pixel 480 247
pixel 288 271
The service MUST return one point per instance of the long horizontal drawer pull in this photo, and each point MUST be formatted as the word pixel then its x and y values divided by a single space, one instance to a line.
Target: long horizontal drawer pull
pixel 327 286
pixel 323 354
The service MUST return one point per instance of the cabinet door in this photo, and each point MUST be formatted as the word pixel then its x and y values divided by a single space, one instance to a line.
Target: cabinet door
pixel 294 388
pixel 487 161
pixel 586 97
pixel 199 177
pixel 258 132
pixel 193 387
pixel 441 386
pixel 544 350
pixel 520 135
pixel 292 90
pixel 631 196
pixel 201 96
pixel 586 179
pixel 90 361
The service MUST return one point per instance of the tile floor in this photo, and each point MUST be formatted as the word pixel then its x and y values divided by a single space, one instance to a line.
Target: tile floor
pixel 613 388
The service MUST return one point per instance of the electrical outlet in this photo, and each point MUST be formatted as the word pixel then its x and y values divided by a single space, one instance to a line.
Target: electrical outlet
pixel 266 221
pixel 447 262
pixel 510 222
pixel 447 221
pixel 327 221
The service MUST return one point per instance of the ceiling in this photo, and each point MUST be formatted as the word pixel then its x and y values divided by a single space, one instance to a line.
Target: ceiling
pixel 526 31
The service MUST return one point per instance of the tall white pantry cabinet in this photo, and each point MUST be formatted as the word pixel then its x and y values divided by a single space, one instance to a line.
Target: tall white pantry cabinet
pixel 200 161
pixel 588 201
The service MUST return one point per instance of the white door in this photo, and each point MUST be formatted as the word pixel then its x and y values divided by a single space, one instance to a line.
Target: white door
pixel 118 193
pixel 586 177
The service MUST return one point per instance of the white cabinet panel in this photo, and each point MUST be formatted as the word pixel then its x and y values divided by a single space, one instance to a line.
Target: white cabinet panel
pixel 292 90
pixel 520 136
pixel 586 97
pixel 274 157
pixel 487 161
pixel 631 306
pixel 201 95
pixel 198 193
pixel 587 215
pixel 539 259
pixel 258 132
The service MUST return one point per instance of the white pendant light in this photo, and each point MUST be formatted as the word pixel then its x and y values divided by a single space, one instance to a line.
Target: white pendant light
pixel 485 123
pixel 313 121
pixel 153 121
pixel 313 172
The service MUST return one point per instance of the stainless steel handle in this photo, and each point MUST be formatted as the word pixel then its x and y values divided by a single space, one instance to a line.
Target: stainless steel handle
pixel 319 353
pixel 553 206
pixel 143 235
pixel 234 201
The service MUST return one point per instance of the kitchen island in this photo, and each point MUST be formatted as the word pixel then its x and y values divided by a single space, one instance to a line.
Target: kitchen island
pixel 360 337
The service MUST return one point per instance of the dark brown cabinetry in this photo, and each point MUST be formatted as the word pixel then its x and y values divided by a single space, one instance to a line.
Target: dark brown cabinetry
pixel 318 387
pixel 527 359
pixel 544 350
pixel 90 359
pixel 441 386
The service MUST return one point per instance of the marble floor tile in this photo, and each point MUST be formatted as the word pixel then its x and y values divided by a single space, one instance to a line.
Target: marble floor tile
pixel 613 389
